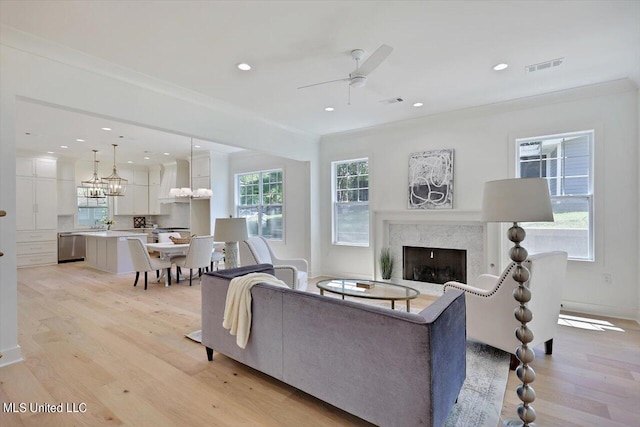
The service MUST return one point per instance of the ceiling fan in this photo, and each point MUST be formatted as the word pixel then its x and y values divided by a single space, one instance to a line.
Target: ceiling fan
pixel 358 77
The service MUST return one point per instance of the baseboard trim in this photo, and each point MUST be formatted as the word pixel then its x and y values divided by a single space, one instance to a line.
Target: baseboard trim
pixel 11 356
pixel 600 310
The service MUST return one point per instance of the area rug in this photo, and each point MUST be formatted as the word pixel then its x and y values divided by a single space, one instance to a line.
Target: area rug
pixel 195 336
pixel 480 400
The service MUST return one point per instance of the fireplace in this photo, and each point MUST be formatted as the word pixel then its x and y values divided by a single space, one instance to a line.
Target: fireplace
pixel 434 265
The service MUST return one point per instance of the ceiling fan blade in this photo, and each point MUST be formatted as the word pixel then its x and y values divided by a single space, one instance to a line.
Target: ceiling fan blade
pixel 323 83
pixel 374 60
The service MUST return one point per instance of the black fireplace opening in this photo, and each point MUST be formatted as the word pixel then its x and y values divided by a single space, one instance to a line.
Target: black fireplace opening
pixel 434 265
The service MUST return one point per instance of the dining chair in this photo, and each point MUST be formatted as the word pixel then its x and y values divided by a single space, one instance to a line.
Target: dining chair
pixel 198 256
pixel 216 256
pixel 142 262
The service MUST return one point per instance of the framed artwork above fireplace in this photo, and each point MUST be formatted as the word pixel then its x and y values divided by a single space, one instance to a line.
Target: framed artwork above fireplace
pixel 431 179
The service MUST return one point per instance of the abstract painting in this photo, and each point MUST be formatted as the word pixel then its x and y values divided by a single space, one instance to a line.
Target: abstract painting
pixel 431 180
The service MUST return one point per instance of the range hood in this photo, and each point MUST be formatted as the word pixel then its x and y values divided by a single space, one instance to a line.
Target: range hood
pixel 176 175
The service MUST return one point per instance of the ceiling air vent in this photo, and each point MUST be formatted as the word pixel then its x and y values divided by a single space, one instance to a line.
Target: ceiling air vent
pixel 544 65
pixel 392 100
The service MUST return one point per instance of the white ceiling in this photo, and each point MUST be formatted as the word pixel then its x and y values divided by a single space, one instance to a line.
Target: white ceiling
pixel 43 129
pixel 444 50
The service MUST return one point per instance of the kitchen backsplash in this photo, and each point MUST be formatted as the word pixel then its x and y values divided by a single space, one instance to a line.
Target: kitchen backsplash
pixel 179 215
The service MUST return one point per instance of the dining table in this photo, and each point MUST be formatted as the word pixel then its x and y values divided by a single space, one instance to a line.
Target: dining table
pixel 166 249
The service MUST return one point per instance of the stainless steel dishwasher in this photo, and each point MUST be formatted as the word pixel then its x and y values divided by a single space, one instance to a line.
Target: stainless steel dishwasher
pixel 71 247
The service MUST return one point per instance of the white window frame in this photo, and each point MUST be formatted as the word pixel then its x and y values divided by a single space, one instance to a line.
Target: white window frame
pixel 260 206
pixel 90 205
pixel 589 196
pixel 335 202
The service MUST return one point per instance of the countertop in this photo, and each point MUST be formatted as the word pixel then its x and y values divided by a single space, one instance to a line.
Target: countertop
pixel 110 233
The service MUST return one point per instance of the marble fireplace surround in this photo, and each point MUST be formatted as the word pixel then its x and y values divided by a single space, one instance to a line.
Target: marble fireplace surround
pixel 453 229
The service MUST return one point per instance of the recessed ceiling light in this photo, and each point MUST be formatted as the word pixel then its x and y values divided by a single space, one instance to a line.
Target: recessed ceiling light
pixel 129 161
pixel 418 104
pixel 49 152
pixel 166 154
pixel 64 146
pixel 244 67
pixel 80 140
pixel 329 109
pixel 500 67
pixel 106 128
pixel 146 158
pixel 196 146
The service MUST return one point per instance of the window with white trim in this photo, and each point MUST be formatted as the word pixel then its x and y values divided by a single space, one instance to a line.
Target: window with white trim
pixel 566 162
pixel 350 194
pixel 260 198
pixel 91 211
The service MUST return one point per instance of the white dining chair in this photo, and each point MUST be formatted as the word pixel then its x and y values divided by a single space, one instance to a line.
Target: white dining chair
pixel 142 262
pixel 198 256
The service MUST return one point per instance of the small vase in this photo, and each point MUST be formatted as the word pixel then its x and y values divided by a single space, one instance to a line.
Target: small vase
pixel 108 227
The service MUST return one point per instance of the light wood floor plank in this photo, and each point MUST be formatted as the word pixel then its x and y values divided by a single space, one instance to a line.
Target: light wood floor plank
pixel 92 337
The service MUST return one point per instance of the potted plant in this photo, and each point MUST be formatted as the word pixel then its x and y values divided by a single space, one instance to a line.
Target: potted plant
pixel 386 263
pixel 108 222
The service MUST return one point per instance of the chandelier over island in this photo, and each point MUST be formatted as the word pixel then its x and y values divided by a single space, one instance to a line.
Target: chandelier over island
pixel 115 185
pixel 94 188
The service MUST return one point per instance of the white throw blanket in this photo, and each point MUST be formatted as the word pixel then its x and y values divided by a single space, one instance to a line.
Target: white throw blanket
pixel 237 308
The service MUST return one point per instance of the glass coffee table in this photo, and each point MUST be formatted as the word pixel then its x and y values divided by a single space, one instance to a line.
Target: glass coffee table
pixel 369 289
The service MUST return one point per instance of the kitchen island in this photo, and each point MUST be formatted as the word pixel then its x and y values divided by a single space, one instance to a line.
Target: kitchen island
pixel 109 250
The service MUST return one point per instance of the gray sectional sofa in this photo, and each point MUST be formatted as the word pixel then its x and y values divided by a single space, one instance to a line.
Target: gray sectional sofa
pixel 390 368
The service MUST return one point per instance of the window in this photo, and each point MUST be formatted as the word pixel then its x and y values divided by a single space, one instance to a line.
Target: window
pixel 91 212
pixel 350 189
pixel 566 162
pixel 260 196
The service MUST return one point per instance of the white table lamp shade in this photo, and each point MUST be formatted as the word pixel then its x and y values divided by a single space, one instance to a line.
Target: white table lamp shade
pixel 516 200
pixel 230 230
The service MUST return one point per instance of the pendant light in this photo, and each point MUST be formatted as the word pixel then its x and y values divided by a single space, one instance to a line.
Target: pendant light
pixel 94 188
pixel 200 193
pixel 116 186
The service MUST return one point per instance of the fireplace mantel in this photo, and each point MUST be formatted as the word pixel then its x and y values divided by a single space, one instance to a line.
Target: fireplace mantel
pixel 443 220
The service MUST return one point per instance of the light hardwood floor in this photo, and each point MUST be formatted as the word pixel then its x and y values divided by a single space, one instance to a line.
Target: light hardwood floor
pixel 91 337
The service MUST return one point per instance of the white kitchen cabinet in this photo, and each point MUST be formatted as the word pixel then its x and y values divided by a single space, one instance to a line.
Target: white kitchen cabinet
pixel 67 193
pixel 200 167
pixel 154 175
pixel 201 182
pixel 123 205
pixel 67 197
pixel 37 167
pixel 36 204
pixel 154 201
pixel 134 202
pixel 140 177
pixel 140 200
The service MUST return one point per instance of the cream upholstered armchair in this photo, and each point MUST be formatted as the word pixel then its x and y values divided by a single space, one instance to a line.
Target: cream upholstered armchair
pixel 490 303
pixel 293 272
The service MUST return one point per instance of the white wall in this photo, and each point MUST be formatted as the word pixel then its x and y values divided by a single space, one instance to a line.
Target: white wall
pixel 297 241
pixel 482 138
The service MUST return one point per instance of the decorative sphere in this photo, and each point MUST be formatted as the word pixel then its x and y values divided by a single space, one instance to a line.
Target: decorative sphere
pixel 518 253
pixel 525 354
pixel 516 234
pixel 520 274
pixel 524 334
pixel 523 314
pixel 526 393
pixel 526 374
pixel 522 294
pixel 527 413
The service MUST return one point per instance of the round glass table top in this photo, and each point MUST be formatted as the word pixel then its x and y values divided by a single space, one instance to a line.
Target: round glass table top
pixel 368 289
